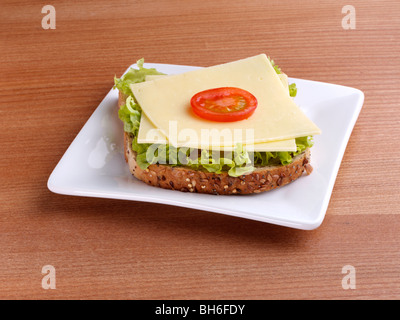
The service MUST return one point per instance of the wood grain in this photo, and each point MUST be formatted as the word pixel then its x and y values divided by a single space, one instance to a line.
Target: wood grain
pixel 52 80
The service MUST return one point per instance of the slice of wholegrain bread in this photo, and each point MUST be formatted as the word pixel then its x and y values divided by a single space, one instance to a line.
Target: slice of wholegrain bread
pixel 186 179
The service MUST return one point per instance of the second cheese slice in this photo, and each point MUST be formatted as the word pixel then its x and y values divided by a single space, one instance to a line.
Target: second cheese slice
pixel 166 102
pixel 149 134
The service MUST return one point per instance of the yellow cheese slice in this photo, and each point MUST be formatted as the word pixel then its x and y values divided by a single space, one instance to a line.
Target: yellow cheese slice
pixel 284 80
pixel 148 133
pixel 150 77
pixel 166 102
pixel 283 77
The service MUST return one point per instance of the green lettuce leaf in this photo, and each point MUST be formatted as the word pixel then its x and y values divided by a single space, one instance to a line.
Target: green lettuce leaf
pixel 292 90
pixel 130 114
pixel 133 76
pixel 292 86
pixel 276 67
pixel 303 143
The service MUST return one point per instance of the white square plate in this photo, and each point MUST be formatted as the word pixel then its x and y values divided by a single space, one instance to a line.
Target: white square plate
pixel 94 164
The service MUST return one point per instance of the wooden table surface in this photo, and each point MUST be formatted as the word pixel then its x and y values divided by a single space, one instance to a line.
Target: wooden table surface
pixel 53 79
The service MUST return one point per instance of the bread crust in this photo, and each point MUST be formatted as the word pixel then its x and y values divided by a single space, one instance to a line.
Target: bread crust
pixel 185 179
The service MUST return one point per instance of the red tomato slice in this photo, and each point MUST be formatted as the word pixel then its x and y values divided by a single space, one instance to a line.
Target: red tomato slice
pixel 226 104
